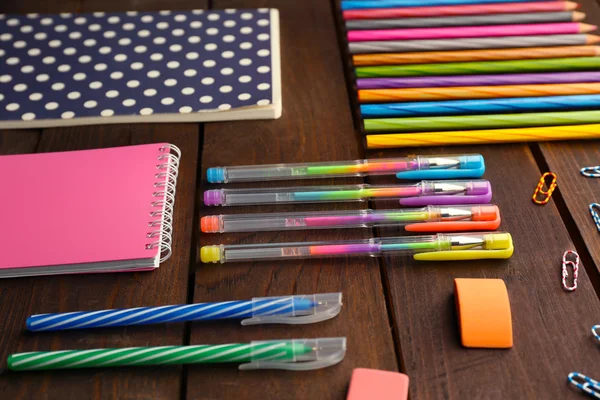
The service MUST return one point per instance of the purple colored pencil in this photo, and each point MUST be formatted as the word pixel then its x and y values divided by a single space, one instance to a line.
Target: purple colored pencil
pixel 477 80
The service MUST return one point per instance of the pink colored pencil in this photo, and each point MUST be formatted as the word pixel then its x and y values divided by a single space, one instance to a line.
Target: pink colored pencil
pixel 564 28
pixel 476 9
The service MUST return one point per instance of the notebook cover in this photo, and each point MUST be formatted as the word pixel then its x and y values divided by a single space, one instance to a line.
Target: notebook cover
pixel 78 207
pixel 168 66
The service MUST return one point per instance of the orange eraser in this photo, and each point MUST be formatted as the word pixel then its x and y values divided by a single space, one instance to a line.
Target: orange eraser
pixel 370 384
pixel 483 309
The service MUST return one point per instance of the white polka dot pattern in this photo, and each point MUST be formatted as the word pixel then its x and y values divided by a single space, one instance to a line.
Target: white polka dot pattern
pixel 112 64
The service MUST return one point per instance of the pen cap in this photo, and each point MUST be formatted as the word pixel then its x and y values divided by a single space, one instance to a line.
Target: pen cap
pixel 210 254
pixel 487 212
pixel 446 167
pixel 214 197
pixel 211 224
pixel 215 175
pixel 295 310
pixel 470 246
pixel 497 241
pixel 303 354
pixel 451 192
pixel 459 218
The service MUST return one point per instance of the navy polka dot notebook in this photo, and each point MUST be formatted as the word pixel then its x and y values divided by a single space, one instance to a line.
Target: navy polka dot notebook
pixel 167 66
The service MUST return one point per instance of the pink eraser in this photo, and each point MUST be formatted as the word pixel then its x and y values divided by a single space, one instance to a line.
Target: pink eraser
pixel 368 384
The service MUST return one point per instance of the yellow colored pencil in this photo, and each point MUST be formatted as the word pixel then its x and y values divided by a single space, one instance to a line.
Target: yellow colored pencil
pixel 475 55
pixel 475 92
pixel 541 134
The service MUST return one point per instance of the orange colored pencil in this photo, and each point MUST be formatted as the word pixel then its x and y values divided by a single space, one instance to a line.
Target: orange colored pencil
pixel 475 92
pixel 475 55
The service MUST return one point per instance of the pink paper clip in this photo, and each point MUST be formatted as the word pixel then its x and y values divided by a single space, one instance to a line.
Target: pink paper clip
pixel 565 273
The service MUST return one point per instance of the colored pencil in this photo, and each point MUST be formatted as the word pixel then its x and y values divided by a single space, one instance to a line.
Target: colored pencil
pixel 366 4
pixel 561 28
pixel 471 20
pixel 493 121
pixel 471 43
pixel 475 92
pixel 484 136
pixel 484 67
pixel 474 9
pixel 477 80
pixel 480 106
pixel 475 55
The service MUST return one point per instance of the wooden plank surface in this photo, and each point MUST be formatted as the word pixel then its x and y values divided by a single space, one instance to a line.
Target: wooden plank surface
pixel 316 126
pixel 577 191
pixel 551 328
pixel 167 285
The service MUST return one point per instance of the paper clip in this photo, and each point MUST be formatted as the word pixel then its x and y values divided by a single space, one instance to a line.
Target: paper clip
pixel 565 273
pixel 585 384
pixel 594 331
pixel 592 172
pixel 540 189
pixel 595 215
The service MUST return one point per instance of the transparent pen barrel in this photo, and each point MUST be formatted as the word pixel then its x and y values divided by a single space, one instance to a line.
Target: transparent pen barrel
pixel 308 194
pixel 367 247
pixel 313 220
pixel 272 172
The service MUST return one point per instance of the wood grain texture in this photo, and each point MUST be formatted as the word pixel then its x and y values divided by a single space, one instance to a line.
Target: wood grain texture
pixel 316 126
pixel 566 159
pixel 167 285
pixel 551 328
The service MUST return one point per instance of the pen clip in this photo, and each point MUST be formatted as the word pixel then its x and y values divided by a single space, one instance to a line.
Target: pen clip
pixel 295 310
pixel 323 353
pixel 446 167
pixel 499 246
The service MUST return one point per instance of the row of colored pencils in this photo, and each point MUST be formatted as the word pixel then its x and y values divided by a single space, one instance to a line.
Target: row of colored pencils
pixel 473 71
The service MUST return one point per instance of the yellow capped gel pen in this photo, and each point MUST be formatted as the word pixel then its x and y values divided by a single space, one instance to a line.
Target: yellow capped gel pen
pixel 440 247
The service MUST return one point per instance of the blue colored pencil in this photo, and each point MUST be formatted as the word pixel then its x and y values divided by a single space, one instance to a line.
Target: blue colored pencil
pixel 483 106
pixel 367 4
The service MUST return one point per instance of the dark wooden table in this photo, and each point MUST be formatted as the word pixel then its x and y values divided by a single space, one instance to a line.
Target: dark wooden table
pixel 398 315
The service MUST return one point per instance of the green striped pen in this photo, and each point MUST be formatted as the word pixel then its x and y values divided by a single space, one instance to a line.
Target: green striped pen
pixel 289 354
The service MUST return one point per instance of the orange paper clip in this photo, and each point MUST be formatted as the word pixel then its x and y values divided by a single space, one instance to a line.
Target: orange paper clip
pixel 540 189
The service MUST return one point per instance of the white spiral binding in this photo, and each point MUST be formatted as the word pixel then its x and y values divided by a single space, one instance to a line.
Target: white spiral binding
pixel 165 202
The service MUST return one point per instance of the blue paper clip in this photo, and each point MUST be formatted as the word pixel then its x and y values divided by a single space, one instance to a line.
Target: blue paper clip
pixel 595 215
pixel 585 384
pixel 596 334
pixel 592 172
pixel 448 167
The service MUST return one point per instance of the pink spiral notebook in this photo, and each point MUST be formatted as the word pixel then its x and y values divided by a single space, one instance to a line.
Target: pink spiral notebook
pixel 101 210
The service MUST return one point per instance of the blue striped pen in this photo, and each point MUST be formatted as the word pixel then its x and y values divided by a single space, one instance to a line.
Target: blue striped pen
pixel 300 309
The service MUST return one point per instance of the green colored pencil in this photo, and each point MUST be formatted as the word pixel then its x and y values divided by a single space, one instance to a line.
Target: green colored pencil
pixel 484 67
pixel 492 121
